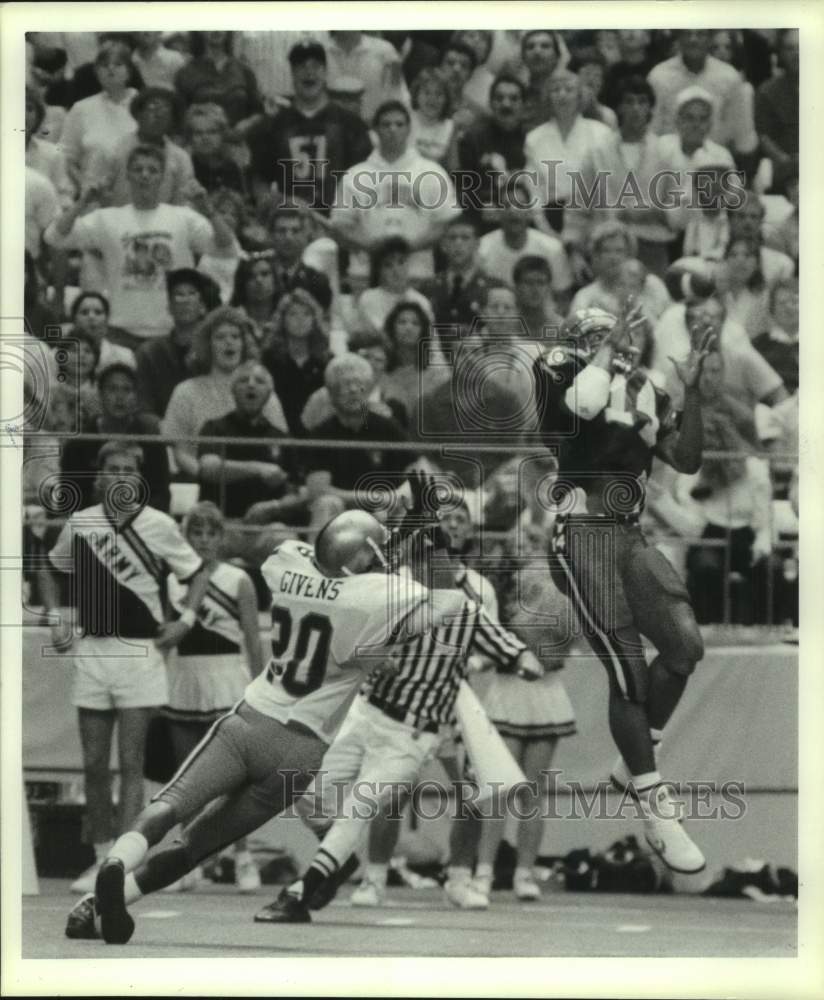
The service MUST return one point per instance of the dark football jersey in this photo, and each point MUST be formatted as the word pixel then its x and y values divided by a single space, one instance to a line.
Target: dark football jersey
pixel 619 441
pixel 301 152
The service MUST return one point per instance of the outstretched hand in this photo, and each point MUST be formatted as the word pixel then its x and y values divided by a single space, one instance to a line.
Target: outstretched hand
pixel 423 514
pixel 424 506
pixel 689 371
pixel 631 321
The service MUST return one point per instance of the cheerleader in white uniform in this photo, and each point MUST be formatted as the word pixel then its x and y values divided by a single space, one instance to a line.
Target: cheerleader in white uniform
pixel 217 658
pixel 531 716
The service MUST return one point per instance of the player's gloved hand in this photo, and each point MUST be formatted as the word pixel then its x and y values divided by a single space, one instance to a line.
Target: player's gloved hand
pixel 423 513
pixel 704 342
pixel 620 341
pixel 529 666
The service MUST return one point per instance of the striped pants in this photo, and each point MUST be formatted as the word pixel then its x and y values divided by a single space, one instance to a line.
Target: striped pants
pixel 622 588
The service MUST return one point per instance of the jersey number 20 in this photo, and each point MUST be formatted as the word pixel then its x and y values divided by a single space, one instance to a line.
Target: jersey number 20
pixel 304 671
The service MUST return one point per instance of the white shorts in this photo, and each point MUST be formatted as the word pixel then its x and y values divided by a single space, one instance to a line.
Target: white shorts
pixel 373 750
pixel 111 672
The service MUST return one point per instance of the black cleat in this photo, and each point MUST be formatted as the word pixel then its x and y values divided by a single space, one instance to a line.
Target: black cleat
pixel 80 925
pixel 116 924
pixel 286 909
pixel 328 889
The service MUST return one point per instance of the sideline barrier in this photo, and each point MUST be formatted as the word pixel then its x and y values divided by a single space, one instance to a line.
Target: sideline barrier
pixel 737 722
pixel 28 879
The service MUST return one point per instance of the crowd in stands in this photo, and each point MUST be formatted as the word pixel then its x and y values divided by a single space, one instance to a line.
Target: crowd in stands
pixel 368 237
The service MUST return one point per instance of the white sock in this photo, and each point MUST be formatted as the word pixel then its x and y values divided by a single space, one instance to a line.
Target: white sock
pixel 459 873
pixel 101 851
pixel 376 873
pixel 131 890
pixel 483 870
pixel 523 872
pixel 642 783
pixel 296 889
pixel 656 735
pixel 244 855
pixel 131 848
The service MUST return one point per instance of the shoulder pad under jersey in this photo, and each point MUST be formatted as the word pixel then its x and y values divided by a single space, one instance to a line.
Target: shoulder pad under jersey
pixel 292 554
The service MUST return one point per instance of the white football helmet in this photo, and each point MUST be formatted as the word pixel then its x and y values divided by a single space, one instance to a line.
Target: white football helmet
pixel 587 327
pixel 352 542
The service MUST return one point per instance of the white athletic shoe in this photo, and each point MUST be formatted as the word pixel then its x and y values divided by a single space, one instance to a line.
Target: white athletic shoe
pixel 191 880
pixel 247 876
pixel 525 887
pixel 409 878
pixel 85 883
pixel 483 884
pixel 666 836
pixel 368 893
pixel 465 895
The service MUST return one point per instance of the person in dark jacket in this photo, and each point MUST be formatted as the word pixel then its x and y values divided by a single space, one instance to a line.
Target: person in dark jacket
pixel 117 387
pixel 164 361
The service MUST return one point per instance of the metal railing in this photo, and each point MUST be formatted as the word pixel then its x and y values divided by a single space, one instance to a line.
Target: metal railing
pixel 784 549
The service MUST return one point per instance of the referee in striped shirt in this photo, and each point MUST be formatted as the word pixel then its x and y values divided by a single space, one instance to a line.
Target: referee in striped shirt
pixel 430 667
pixel 397 724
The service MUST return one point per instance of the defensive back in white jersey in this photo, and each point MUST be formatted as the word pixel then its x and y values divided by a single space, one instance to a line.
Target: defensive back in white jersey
pixel 326 631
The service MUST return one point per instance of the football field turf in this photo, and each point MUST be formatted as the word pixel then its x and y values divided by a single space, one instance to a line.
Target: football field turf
pixel 215 922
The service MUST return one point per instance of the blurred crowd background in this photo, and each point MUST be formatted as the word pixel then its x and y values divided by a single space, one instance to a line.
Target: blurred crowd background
pixel 307 259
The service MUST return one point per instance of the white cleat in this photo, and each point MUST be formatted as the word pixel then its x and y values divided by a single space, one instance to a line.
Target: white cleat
pixel 85 883
pixel 368 893
pixel 191 880
pixel 465 894
pixel 525 887
pixel 667 837
pixel 483 884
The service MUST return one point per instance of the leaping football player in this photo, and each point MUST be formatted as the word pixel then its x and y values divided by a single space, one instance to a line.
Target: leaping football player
pixel 606 421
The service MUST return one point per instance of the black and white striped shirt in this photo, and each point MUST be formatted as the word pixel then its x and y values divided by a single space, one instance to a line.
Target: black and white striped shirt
pixel 431 666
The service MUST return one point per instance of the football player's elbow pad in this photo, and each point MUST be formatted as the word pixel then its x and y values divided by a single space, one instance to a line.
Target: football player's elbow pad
pixel 588 394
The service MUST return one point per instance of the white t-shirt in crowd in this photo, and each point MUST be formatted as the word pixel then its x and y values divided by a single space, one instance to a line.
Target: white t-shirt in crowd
pixel 375 304
pixel 497 259
pixel 93 125
pixel 405 197
pixel 138 247
pixel 159 68
pixel 431 141
pixel 556 158
pixel 654 298
pixel 41 208
pixel 747 375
